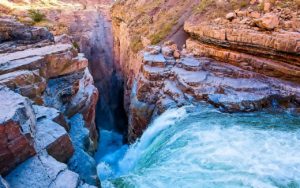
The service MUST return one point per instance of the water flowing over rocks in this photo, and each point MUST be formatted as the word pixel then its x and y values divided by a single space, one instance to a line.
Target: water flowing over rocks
pixel 246 60
pixel 43 86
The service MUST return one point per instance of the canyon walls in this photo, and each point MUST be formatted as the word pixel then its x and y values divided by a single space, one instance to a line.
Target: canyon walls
pixel 91 29
pixel 108 66
pixel 239 61
pixel 45 84
pixel 146 23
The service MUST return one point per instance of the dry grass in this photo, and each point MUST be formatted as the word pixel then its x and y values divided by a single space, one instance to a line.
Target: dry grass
pixel 291 4
pixel 154 20
pixel 39 5
pixel 203 5
pixel 217 8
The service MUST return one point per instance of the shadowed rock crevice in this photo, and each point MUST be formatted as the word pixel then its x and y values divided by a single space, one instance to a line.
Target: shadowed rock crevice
pixel 92 30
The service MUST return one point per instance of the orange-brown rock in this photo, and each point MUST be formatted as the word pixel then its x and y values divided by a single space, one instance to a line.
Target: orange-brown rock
pixel 11 30
pixel 273 53
pixel 191 79
pixel 268 22
pixel 17 128
pixel 246 61
pixel 53 75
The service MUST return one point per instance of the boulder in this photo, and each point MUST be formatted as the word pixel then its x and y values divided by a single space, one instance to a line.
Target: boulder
pixel 52 61
pixel 74 94
pixel 52 137
pixel 267 6
pixel 230 16
pixel 269 67
pixel 51 114
pixel 269 21
pixel 17 129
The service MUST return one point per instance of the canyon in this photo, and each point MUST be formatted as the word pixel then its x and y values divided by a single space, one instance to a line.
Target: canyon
pixel 99 75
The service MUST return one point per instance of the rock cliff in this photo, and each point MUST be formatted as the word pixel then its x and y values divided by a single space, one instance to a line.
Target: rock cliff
pixel 167 81
pixel 44 86
pixel 238 61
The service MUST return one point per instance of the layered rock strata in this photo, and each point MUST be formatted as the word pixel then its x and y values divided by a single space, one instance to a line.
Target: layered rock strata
pixel 43 86
pixel 165 82
pixel 266 43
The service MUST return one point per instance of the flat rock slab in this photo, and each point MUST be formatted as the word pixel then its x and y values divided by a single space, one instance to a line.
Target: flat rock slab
pixel 228 87
pixel 51 136
pixel 47 132
pixel 35 52
pixel 51 114
pixel 42 171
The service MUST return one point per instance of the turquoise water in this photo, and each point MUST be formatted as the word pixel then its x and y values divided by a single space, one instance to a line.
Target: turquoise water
pixel 201 147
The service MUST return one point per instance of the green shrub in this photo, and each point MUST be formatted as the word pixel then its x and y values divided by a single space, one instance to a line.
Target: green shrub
pixel 76 46
pixel 36 15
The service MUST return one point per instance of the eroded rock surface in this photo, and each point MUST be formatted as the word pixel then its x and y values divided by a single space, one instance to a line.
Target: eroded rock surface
pixel 43 85
pixel 18 126
pixel 166 82
pixel 255 44
pixel 43 171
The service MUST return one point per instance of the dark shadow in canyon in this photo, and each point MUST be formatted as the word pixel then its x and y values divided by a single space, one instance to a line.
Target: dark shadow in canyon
pixel 98 48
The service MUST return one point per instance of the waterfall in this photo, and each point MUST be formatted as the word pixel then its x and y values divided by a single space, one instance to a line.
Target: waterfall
pixel 202 147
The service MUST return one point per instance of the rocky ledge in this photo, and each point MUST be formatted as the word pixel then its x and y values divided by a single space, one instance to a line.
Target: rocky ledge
pixel 47 111
pixel 169 78
pixel 265 43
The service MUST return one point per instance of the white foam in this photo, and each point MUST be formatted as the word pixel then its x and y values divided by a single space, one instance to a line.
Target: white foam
pixel 136 150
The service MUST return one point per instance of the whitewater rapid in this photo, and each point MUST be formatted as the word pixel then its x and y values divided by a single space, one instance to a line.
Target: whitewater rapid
pixel 201 147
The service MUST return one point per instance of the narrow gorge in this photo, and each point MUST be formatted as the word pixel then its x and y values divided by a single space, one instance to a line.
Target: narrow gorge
pixel 162 93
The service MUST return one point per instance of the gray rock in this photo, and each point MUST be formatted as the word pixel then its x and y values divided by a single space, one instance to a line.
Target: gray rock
pixel 42 171
pixel 82 162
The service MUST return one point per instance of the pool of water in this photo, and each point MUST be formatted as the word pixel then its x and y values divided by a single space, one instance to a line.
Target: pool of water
pixel 201 147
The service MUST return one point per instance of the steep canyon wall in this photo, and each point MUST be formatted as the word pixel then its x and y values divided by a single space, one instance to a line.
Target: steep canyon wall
pixel 260 40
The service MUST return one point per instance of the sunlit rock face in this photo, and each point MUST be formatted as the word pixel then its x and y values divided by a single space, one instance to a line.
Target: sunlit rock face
pixel 16 32
pixel 239 61
pixel 43 85
pixel 246 42
pixel 166 81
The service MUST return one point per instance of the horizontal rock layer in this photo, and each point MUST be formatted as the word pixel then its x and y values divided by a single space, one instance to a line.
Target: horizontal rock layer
pixel 166 82
pixel 244 43
pixel 43 85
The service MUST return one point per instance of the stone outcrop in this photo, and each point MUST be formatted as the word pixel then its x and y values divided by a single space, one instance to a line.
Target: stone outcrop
pixel 15 36
pixel 17 124
pixel 245 60
pixel 133 30
pixel 43 85
pixel 15 31
pixel 166 82
pixel 43 171
pixel 244 42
